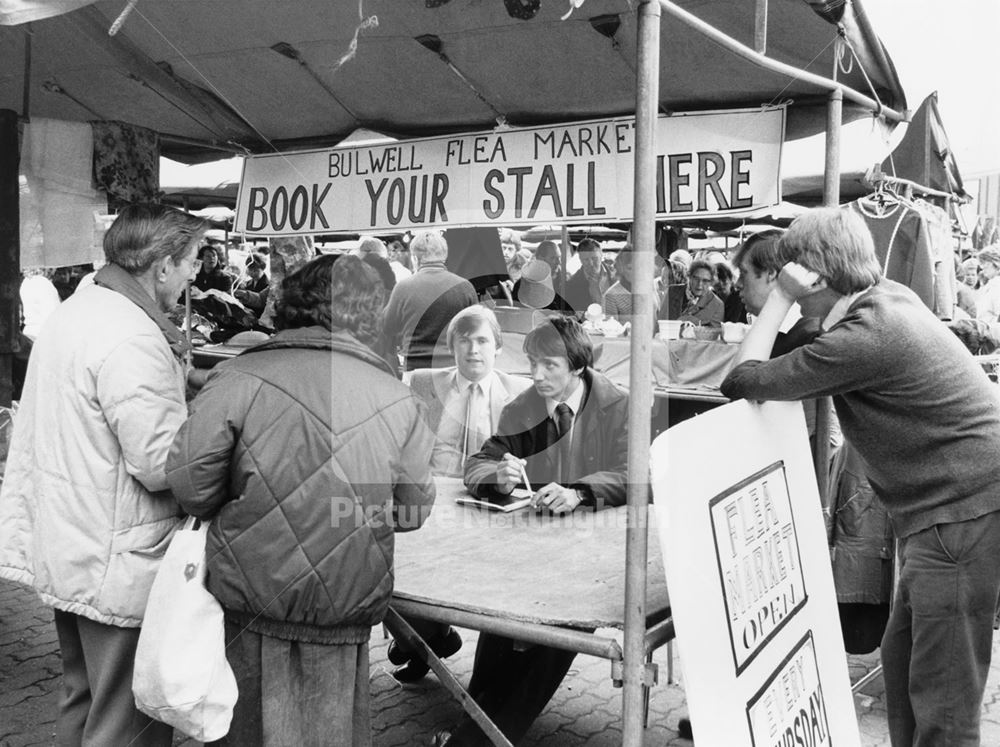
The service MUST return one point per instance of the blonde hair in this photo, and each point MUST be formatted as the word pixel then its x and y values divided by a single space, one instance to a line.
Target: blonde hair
pixel 837 245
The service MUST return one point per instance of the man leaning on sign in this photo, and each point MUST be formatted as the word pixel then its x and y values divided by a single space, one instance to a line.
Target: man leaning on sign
pixel 926 420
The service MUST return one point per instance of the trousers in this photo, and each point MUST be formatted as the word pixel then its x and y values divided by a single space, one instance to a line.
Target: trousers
pixel 97 707
pixel 938 642
pixel 297 693
pixel 511 686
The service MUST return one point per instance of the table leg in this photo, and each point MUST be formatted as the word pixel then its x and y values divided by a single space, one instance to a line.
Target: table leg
pixel 402 631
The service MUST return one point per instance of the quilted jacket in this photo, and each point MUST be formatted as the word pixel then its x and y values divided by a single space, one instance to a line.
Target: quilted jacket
pixel 307 454
pixel 84 513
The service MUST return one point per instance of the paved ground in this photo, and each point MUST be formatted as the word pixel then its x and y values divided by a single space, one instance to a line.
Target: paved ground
pixel 585 711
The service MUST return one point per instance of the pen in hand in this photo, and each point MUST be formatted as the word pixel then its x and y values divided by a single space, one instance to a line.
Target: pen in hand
pixel 524 479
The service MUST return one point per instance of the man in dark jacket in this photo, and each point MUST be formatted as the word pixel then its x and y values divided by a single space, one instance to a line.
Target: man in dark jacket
pixel 589 284
pixel 569 434
pixel 421 306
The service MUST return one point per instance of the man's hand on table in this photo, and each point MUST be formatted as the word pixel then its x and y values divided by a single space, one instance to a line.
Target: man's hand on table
pixel 556 498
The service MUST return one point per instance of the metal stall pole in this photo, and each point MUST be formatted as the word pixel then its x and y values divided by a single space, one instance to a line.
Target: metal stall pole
pixel 637 674
pixel 564 260
pixel 831 169
pixel 10 250
pixel 831 198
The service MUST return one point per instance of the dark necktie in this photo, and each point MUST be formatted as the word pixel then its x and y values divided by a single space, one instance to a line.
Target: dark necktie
pixel 564 421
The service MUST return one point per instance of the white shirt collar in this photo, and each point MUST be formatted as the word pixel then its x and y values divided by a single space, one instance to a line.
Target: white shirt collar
pixel 839 310
pixel 461 383
pixel 575 400
pixel 791 318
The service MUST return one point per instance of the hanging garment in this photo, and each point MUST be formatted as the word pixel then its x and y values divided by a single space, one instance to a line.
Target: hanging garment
pixel 902 244
pixel 126 161
pixel 943 251
pixel 58 203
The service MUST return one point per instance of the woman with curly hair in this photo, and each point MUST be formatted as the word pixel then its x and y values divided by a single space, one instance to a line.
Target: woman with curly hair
pixel 307 454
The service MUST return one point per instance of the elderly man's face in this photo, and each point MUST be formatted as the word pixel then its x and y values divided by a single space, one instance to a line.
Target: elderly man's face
pixel 700 282
pixel 591 262
pixel 476 352
pixel 175 276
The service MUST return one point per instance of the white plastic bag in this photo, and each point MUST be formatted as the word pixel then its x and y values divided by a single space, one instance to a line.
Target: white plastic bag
pixel 181 674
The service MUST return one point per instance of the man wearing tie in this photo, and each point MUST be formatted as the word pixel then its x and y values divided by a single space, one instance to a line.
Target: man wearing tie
pixel 463 408
pixel 567 434
pixel 464 402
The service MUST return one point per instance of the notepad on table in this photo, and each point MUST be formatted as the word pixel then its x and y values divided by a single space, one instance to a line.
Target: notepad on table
pixel 517 500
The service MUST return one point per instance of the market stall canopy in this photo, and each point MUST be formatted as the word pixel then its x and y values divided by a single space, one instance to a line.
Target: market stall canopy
pixel 265 76
pixel 924 156
pixel 196 198
pixel 576 233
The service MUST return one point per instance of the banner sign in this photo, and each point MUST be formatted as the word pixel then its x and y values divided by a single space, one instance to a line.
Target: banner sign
pixel 707 165
pixel 750 582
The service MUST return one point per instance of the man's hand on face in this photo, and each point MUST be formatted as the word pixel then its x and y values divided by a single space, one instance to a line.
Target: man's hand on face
pixel 556 498
pixel 795 281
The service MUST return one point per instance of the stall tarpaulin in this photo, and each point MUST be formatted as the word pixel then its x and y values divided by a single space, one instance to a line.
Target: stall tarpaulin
pixel 269 78
pixel 708 164
pixel 923 155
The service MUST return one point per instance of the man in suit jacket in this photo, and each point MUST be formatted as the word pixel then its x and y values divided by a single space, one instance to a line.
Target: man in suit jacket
pixel 474 339
pixel 421 306
pixel 569 433
pixel 464 403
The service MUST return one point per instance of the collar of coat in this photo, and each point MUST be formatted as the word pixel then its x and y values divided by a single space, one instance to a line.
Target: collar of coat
pixel 321 338
pixel 116 278
pixel 601 394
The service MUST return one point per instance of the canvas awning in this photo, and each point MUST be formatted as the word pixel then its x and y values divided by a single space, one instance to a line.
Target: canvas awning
pixel 248 75
pixel 923 156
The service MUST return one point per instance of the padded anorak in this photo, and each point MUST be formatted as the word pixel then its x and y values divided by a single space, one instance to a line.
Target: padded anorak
pixel 307 454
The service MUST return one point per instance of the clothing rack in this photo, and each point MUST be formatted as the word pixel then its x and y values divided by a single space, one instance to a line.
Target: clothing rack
pixel 878 179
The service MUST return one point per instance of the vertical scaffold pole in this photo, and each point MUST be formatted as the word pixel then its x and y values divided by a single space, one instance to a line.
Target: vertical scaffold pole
pixel 831 198
pixel 640 384
pixel 10 250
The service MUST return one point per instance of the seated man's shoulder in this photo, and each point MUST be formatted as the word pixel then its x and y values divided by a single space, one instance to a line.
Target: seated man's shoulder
pixel 425 380
pixel 515 385
pixel 606 390
pixel 526 397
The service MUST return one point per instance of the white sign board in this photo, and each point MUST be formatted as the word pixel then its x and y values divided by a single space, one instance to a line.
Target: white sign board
pixel 751 587
pixel 707 164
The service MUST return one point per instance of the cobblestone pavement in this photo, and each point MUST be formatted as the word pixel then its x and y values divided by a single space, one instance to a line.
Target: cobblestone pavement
pixel 585 712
